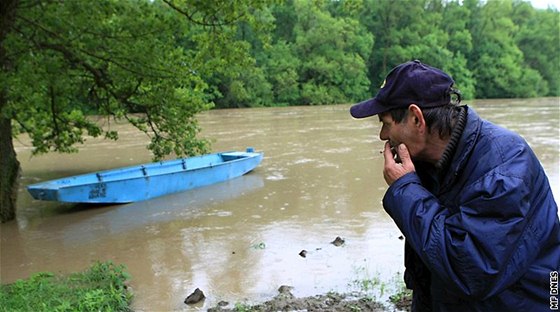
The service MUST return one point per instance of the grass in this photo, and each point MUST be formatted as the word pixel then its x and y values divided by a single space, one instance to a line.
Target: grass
pixel 368 284
pixel 402 299
pixel 371 287
pixel 241 307
pixel 100 288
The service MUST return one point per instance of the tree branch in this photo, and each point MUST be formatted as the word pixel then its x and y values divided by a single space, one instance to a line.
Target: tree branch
pixel 208 20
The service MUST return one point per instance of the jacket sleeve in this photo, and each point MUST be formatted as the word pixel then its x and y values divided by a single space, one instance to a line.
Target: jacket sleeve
pixel 478 248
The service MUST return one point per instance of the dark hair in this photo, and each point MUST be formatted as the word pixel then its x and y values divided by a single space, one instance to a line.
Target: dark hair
pixel 441 118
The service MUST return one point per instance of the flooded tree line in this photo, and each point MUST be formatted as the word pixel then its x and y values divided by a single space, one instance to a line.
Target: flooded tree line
pixel 169 60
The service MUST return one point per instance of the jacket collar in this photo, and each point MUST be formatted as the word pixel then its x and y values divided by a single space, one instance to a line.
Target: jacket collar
pixel 465 146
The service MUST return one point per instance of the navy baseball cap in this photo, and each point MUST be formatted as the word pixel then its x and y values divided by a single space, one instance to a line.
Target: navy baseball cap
pixel 408 83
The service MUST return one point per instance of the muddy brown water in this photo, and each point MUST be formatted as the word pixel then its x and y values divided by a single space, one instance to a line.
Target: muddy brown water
pixel 240 240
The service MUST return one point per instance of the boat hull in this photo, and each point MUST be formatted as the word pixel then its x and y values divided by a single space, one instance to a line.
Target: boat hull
pixel 142 182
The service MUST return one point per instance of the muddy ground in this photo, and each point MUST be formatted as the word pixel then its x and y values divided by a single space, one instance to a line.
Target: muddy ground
pixel 331 302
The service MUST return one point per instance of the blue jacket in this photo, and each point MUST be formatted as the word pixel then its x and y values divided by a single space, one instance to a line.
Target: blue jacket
pixel 484 234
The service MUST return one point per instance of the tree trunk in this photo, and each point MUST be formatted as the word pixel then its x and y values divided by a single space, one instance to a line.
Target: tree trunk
pixel 9 165
pixel 9 179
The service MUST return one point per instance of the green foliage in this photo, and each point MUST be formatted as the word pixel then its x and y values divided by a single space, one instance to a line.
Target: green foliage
pixel 538 38
pixel 108 57
pixel 403 298
pixel 332 51
pixel 227 57
pixel 100 288
pixel 430 31
pixel 487 46
pixel 497 61
pixel 282 67
pixel 242 307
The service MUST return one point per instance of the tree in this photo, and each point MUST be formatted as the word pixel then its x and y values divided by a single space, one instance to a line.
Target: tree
pixel 63 59
pixel 454 23
pixel 539 28
pixel 280 62
pixel 333 52
pixel 386 28
pixel 231 54
pixel 281 66
pixel 497 62
pixel 432 31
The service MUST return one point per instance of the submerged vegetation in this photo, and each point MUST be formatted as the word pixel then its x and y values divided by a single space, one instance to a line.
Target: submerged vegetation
pixel 100 288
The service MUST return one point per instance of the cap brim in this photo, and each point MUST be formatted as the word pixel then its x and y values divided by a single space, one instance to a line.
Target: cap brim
pixel 366 108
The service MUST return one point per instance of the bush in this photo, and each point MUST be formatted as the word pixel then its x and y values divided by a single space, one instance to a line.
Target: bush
pixel 100 288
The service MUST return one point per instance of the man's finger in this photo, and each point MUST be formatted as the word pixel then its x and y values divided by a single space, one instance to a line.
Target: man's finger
pixel 404 155
pixel 388 154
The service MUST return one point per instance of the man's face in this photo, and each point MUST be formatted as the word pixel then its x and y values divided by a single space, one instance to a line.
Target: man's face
pixel 403 132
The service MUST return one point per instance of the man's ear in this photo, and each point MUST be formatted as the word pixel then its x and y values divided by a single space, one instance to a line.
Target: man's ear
pixel 417 117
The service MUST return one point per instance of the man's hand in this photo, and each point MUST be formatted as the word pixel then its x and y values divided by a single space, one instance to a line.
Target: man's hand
pixel 392 170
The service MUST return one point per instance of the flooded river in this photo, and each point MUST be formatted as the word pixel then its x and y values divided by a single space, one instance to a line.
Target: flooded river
pixel 240 240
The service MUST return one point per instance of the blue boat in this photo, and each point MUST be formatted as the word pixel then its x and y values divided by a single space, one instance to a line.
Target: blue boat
pixel 141 182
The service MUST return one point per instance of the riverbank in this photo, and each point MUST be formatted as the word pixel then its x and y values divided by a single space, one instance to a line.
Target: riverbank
pixel 103 287
pixel 330 302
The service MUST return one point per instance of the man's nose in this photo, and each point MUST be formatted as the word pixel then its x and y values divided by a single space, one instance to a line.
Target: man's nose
pixel 383 135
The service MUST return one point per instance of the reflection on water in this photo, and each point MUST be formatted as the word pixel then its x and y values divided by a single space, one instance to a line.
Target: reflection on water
pixel 117 219
pixel 320 178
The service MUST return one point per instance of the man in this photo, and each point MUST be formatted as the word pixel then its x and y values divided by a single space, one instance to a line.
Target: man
pixel 471 198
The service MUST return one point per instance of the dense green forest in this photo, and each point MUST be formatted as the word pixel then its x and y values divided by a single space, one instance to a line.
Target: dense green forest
pixel 324 52
pixel 158 63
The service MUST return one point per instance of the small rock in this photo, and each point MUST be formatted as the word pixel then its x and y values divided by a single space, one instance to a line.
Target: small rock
pixel 195 297
pixel 303 253
pixel 338 241
pixel 284 292
pixel 285 289
pixel 223 303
